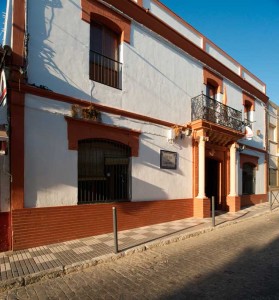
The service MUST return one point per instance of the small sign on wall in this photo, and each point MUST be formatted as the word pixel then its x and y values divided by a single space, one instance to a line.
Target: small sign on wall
pixel 168 159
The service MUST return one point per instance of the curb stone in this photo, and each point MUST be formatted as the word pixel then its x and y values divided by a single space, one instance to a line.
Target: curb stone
pixel 46 274
pixel 79 266
pixel 11 283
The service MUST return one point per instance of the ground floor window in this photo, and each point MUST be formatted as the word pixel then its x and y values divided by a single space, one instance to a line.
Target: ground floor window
pixel 103 171
pixel 272 177
pixel 248 179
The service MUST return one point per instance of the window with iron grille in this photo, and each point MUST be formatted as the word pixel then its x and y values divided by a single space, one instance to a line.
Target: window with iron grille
pixel 272 177
pixel 103 171
pixel 104 55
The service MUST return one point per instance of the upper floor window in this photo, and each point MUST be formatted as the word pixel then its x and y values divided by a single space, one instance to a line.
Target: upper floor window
pixel 271 133
pixel 104 55
pixel 248 112
pixel 211 90
pixel 249 108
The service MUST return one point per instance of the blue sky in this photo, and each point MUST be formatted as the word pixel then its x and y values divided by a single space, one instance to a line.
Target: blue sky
pixel 248 30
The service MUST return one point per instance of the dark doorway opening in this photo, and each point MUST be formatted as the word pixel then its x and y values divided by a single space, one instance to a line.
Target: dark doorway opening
pixel 212 180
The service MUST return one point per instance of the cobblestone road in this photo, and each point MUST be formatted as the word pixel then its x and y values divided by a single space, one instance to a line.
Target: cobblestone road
pixel 236 262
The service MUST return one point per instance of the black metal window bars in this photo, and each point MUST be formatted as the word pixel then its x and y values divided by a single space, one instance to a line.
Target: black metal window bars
pixel 105 70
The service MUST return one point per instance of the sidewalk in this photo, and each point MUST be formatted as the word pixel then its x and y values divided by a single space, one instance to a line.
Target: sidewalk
pixel 24 267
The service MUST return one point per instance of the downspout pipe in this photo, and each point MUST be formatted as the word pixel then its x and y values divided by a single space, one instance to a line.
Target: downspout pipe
pixel 7 37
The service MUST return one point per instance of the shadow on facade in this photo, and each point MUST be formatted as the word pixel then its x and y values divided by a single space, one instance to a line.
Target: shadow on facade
pixel 41 56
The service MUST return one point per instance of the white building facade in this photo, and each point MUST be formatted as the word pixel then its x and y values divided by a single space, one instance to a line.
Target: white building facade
pixel 122 103
pixel 273 144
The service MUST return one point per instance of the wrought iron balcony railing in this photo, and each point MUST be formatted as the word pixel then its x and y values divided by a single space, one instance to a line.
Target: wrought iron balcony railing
pixel 105 70
pixel 206 108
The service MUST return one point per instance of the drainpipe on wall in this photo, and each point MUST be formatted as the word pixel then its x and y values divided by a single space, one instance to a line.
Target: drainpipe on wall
pixel 7 37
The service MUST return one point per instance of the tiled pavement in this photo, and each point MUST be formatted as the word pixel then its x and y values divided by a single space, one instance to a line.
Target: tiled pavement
pixel 25 263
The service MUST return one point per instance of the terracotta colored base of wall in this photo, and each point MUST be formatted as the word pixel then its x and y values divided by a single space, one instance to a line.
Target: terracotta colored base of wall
pixel 5 237
pixel 233 203
pixel 41 226
pixel 201 208
pixel 247 200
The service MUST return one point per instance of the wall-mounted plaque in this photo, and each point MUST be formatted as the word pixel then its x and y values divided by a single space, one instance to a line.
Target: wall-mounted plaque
pixel 168 159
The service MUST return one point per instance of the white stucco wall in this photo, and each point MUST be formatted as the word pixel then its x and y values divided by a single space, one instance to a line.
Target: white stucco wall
pixel 51 169
pixel 273 141
pixel 159 81
pixel 253 81
pixel 174 23
pixel 234 95
pixel 222 58
pixel 68 71
pixel 175 77
pixel 272 112
pixel 258 127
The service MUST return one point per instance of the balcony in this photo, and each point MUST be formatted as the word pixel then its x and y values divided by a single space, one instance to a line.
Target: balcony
pixel 208 109
pixel 105 70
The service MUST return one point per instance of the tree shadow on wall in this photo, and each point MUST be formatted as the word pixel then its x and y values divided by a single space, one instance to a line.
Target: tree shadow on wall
pixel 43 68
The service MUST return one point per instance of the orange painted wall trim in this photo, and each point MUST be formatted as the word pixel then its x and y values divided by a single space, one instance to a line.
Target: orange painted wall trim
pixel 79 129
pixel 94 10
pixel 247 200
pixel 254 148
pixel 244 158
pixel 16 101
pixel 140 2
pixel 18 32
pixel 71 100
pixel 209 75
pixel 247 98
pixel 17 148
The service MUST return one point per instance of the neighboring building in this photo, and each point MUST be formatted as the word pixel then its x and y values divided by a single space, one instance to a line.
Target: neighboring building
pixel 122 103
pixel 273 144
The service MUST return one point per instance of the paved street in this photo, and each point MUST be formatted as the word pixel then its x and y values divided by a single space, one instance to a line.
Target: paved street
pixel 240 261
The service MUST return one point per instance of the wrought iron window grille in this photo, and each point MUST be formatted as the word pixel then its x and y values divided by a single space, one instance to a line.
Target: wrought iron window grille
pixel 105 70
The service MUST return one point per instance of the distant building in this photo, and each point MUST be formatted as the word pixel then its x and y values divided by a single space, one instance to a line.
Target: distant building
pixel 273 116
pixel 122 103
